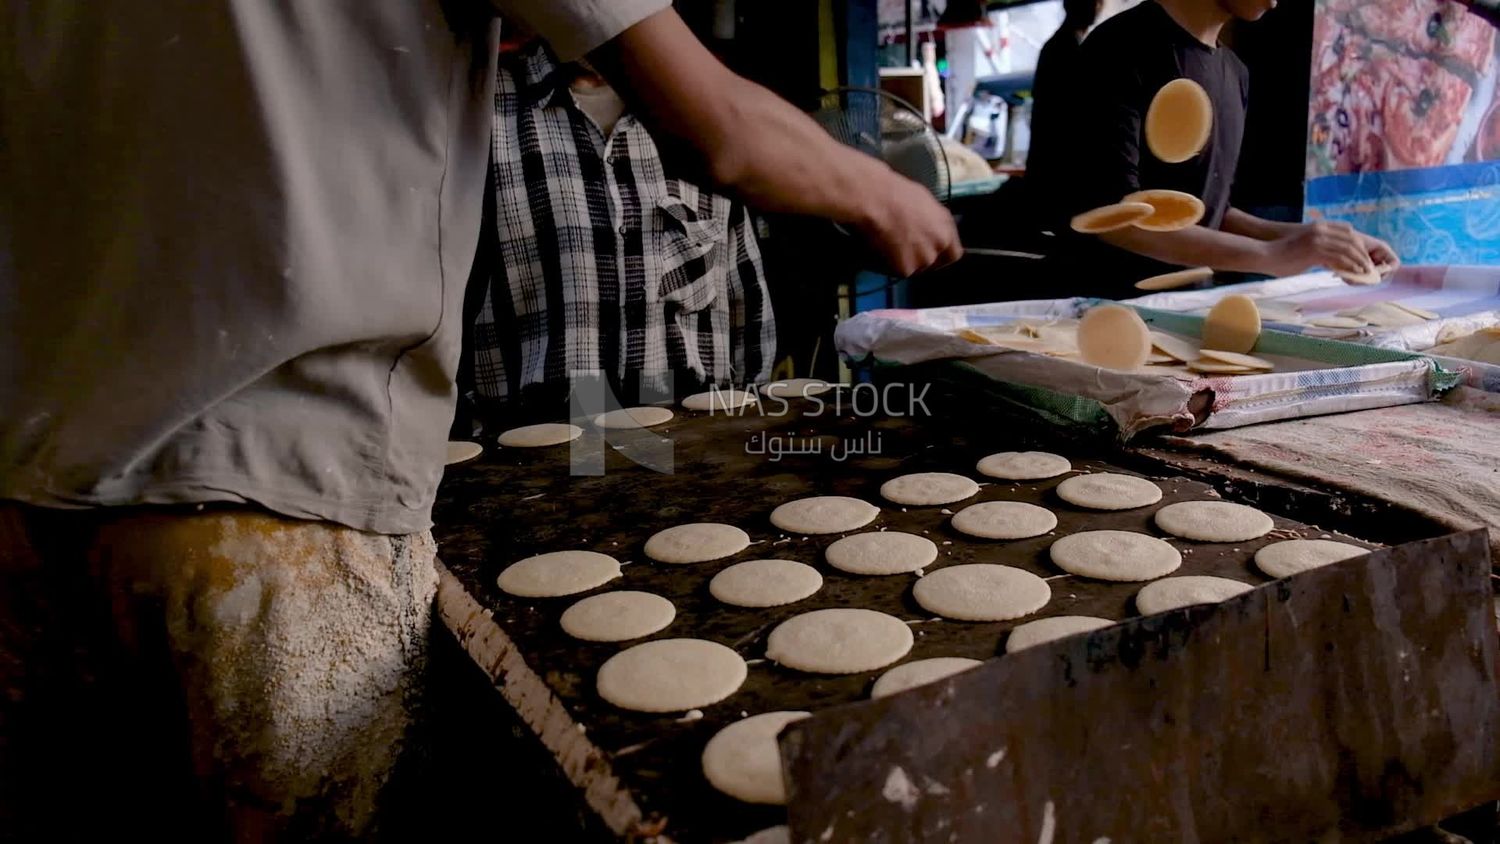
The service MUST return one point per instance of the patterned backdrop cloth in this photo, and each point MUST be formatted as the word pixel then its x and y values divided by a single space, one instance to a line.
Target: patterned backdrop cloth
pixel 1404 126
pixel 1441 460
pixel 1465 298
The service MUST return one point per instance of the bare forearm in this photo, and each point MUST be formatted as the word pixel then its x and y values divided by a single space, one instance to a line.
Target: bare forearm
pixel 1257 228
pixel 747 139
pixel 767 152
pixel 1196 246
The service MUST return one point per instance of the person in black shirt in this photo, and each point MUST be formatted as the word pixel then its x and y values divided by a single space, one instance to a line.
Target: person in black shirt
pixel 1053 86
pixel 1123 63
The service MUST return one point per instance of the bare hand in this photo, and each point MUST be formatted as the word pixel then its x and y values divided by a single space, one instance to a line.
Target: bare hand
pixel 1379 251
pixel 910 229
pixel 1331 244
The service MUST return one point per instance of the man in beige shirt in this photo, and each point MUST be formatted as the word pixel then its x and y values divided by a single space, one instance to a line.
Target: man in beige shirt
pixel 234 237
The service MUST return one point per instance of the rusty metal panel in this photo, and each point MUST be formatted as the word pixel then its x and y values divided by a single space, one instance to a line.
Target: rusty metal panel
pixel 1346 703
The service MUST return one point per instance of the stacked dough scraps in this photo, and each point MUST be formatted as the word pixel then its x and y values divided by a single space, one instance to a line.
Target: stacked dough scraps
pixel 1200 359
pixel 1057 338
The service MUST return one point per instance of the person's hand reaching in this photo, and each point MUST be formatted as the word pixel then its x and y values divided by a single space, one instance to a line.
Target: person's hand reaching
pixel 906 226
pixel 1379 251
pixel 1331 244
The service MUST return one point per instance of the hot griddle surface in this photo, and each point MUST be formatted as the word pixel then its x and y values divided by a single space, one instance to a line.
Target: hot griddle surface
pixel 512 503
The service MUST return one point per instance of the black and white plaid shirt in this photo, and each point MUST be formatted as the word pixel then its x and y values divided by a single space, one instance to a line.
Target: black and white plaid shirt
pixel 606 264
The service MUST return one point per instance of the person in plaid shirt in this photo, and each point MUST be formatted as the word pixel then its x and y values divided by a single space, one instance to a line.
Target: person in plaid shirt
pixel 654 282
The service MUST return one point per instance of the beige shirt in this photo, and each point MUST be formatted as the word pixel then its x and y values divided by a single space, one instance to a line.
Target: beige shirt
pixel 234 237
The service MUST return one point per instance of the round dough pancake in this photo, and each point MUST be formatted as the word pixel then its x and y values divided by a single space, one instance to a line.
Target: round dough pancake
pixel 634 417
pixel 539 436
pixel 1172 281
pixel 1284 559
pixel 1174 210
pixel 839 641
pixel 1175 347
pixel 797 388
pixel 1024 465
pixel 779 834
pixel 881 552
pixel 460 452
pixel 1249 361
pixel 720 400
pixel 617 616
pixel 925 489
pixel 1108 491
pixel 982 592
pixel 558 573
pixel 1004 520
pixel 743 760
pixel 1050 629
pixel 1179 121
pixel 1117 555
pixel 1121 215
pixel 1232 325
pixel 696 543
pixel 920 672
pixel 824 514
pixel 1172 593
pixel 1213 521
pixel 1114 337
pixel 671 675
pixel 765 583
pixel 1213 367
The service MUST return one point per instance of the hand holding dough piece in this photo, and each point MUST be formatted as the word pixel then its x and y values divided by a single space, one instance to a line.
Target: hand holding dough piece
pixel 1114 337
pixel 1370 277
pixel 1178 121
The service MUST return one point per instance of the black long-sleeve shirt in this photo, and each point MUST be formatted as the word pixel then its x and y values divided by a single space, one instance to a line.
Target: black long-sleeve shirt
pixel 1121 66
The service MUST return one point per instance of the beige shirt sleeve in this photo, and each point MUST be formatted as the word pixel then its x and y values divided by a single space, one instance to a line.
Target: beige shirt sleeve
pixel 575 28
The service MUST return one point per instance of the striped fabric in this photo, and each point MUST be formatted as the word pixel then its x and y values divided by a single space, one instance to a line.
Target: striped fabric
pixel 605 263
